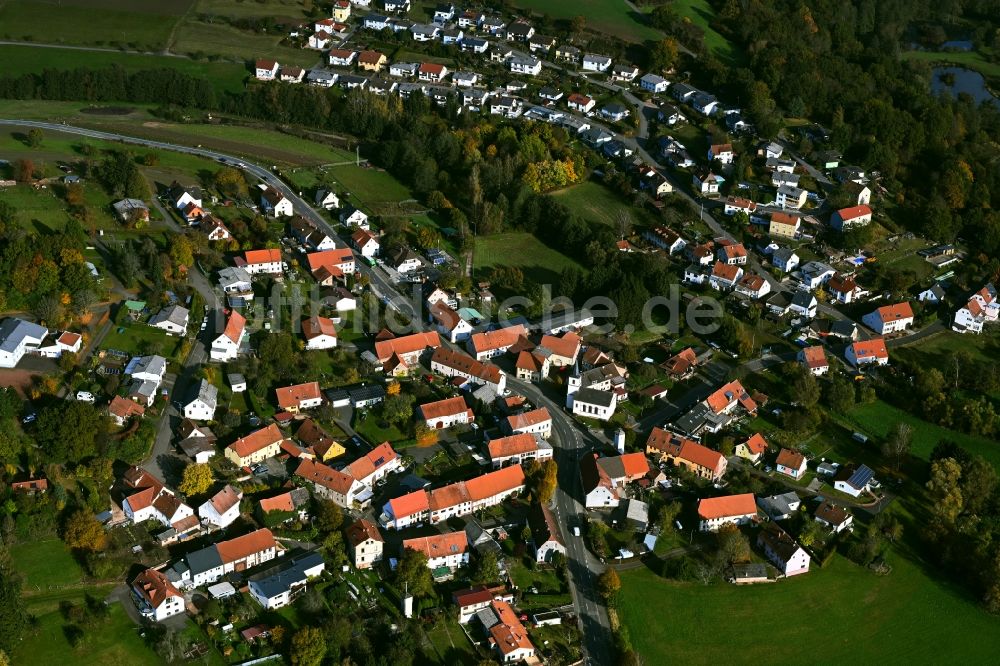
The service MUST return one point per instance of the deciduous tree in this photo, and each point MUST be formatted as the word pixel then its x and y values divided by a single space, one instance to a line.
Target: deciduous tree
pixel 196 480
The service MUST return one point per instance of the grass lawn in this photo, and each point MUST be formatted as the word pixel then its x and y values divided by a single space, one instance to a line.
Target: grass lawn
pixel 701 14
pixel 135 25
pixel 113 642
pixel 879 417
pixel 369 184
pixel 26 59
pixel 139 339
pixel 936 351
pixel 196 38
pixel 451 644
pixel 539 262
pixel 611 17
pixel 45 564
pixel 970 59
pixel 826 616
pixel 371 429
pixel 36 208
pixel 594 202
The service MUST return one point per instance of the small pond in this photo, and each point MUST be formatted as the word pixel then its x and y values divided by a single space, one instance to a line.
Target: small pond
pixel 956 80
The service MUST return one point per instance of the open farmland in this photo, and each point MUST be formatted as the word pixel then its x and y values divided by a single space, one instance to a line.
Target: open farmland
pixel 144 26
pixel 540 263
pixel 612 17
pixel 829 615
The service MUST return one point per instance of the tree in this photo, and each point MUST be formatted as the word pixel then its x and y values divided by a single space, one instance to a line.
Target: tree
pixel 308 647
pixel 897 444
pixel 327 516
pixel 197 479
pixel 548 481
pixel 663 55
pixel 70 432
pixel 578 24
pixel 13 616
pixel 398 409
pixel 83 532
pixel 945 490
pixel 609 584
pixel 734 547
pixel 24 171
pixel 668 514
pixel 35 137
pixel 231 182
pixel 181 251
pixel 487 569
pixel 412 572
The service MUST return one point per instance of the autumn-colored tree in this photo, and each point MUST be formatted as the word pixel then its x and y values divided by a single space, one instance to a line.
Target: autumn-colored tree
pixel 230 181
pixel 547 482
pixel 74 194
pixel 308 647
pixel 196 480
pixel 83 532
pixel 608 584
pixel 24 171
pixel 181 251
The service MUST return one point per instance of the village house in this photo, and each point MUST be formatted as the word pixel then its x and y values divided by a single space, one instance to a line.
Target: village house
pixel 783 551
pixel 341 57
pixel 517 449
pixel 227 346
pixel 508 637
pixel 545 533
pixel 665 238
pixel 319 332
pixel 804 303
pixel 353 217
pixel 981 308
pixel 202 405
pixel 235 280
pixel 281 584
pixel 292 399
pixel 889 319
pixel 155 596
pixel 446 413
pixel 848 218
pixel 785 259
pixel 717 410
pixel 604 479
pixel 451 363
pixel 257 262
pixel 275 204
pixel 724 277
pixel 266 70
pixel 444 551
pixel 292 74
pixel 721 152
pixel 783 225
pixel 122 409
pixel 490 344
pixel 456 500
pixel 814 360
pixel 365 543
pixel 536 422
pixel 525 65
pixel 208 565
pixel 329 265
pixel 580 103
pixel 739 205
pixel 222 508
pixel 337 486
pixel 144 498
pixel 833 517
pixel 681 365
pixel 815 274
pixel 520 31
pixel 398 355
pixel 703 462
pixel 215 229
pixel 173 319
pixel 707 183
pixel 864 352
pixel 449 323
pixel 372 61
pixel 853 481
pixel 366 243
pixel 753 286
pixel 256 447
pixel 309 235
pixel 197 442
pixel 593 62
pixel 791 463
pixel 653 83
pixel 753 448
pixel 844 289
pixel 432 72
pixel 715 512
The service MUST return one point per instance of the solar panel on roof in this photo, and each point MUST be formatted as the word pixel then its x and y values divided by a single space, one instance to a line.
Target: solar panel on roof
pixel 379 461
pixel 861 477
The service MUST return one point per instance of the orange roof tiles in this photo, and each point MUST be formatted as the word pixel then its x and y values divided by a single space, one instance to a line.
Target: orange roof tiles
pixel 407 344
pixel 874 348
pixel 791 459
pixel 784 218
pixel 756 444
pixel 325 476
pixel 448 496
pixel 267 256
pixel 431 68
pixel 464 363
pixel 235 325
pixel 700 455
pixel 842 284
pixel 409 504
pixel 329 258
pixel 241 547
pixel 439 545
pixel 500 338
pixel 225 499
pixel 155 587
pixel 577 98
pixel 317 326
pixel 503 447
pixel 726 395
pixel 442 408
pixel 290 397
pixel 362 530
pixel 726 271
pixel 895 312
pixel 528 419
pixel 853 212
pixel 124 408
pixel 567 346
pixel 508 635
pixel 815 357
pixel 281 502
pixel 725 507
pixel 69 339
pixel 495 483
pixel 257 440
pixel 371 57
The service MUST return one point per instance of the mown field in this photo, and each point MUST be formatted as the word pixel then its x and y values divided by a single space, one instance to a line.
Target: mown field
pixel 700 13
pixel 594 202
pixel 27 59
pixel 540 263
pixel 143 26
pixel 612 17
pixel 970 59
pixel 831 615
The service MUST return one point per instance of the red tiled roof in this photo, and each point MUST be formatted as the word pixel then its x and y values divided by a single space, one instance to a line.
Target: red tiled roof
pixel 246 545
pixel 723 507
pixel 726 271
pixel 441 408
pixel 257 440
pixel 725 395
pixel 262 256
pixel 895 312
pixel 567 346
pixel 235 325
pixel 155 587
pixel 69 339
pixel 756 444
pixel 281 502
pixel 503 447
pixel 508 634
pixel 700 455
pixel 494 483
pixel 439 545
pixel 292 396
pixel 853 212
pixel 317 326
pixel 325 476
pixel 409 504
pixel 528 419
pixel 870 348
pixel 577 98
pixel 431 68
pixel 784 218
pixel 371 57
pixel 791 459
pixel 500 338
pixel 225 499
pixel 407 344
pixel 814 357
pixel 362 530
pixel 124 408
pixel 367 464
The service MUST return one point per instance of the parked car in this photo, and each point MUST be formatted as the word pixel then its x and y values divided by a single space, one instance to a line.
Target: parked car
pixel 85 396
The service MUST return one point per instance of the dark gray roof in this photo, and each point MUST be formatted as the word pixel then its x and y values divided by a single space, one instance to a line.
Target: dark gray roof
pixel 595 397
pixel 203 560
pixel 803 299
pixel 13 331
pixel 280 578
